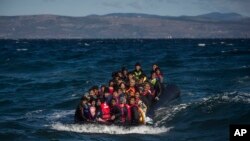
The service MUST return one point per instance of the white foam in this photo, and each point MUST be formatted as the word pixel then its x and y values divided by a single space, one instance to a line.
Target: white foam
pixel 22 49
pixel 111 129
pixel 33 114
pixel 60 114
pixel 86 44
pixel 227 97
pixel 168 113
pixel 201 45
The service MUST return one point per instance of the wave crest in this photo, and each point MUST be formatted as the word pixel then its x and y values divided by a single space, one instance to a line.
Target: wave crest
pixel 109 129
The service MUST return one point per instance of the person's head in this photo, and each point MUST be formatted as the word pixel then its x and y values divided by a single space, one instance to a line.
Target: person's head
pixel 130 75
pixel 84 100
pixel 91 92
pixel 147 86
pixel 153 75
pixel 119 81
pixel 92 102
pixel 137 94
pixel 141 89
pixel 138 66
pixel 119 73
pixel 106 92
pixel 124 71
pixel 111 83
pixel 98 102
pixel 132 83
pixel 115 94
pixel 132 100
pixel 157 70
pixel 119 91
pixel 122 100
pixel 122 85
pixel 113 102
pixel 103 88
pixel 95 89
pixel 154 67
pixel 142 79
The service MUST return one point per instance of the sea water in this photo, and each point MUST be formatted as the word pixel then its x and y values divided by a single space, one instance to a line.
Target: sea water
pixel 41 82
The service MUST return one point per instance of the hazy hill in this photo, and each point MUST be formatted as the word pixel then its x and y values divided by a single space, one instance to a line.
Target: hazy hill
pixel 126 25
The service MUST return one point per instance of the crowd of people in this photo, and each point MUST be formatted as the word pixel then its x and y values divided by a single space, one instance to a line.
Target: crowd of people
pixel 124 101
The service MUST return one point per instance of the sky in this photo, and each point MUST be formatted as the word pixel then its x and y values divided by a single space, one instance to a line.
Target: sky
pixel 101 7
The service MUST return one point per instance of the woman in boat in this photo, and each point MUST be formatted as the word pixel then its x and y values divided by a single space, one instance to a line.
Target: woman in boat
pixel 159 74
pixel 123 87
pixel 154 67
pixel 82 111
pixel 92 110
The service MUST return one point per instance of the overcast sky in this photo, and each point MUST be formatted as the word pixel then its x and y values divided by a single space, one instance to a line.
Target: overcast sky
pixel 88 7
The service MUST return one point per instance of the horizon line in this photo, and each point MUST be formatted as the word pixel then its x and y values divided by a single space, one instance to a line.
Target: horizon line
pixel 48 14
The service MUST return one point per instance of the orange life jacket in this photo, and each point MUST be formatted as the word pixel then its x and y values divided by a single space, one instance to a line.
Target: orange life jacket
pixel 131 91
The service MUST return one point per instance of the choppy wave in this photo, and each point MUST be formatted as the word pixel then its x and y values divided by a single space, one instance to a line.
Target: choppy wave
pixel 111 129
pixel 208 105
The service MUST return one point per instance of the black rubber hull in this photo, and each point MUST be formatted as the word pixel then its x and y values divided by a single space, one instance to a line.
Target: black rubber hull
pixel 169 93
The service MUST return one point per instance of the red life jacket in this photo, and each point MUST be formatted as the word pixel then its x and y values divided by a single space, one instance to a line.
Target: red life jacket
pixel 129 112
pixel 105 111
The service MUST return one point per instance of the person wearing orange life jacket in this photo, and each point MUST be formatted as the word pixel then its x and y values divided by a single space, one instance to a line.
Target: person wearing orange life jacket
pixel 125 111
pixel 147 96
pixel 131 89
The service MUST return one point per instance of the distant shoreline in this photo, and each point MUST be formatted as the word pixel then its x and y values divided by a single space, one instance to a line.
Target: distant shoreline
pixel 125 26
pixel 125 39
